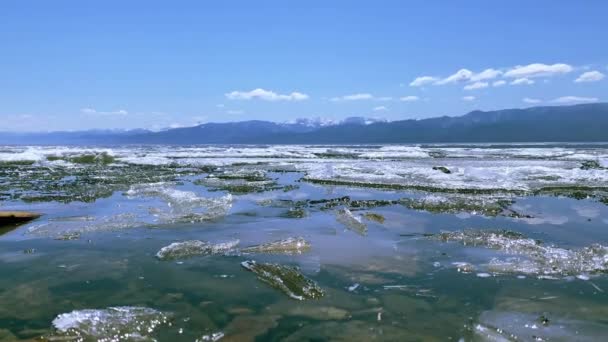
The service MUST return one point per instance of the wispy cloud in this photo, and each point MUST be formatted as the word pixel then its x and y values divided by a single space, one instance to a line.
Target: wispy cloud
pixel 590 76
pixel 458 76
pixel 380 109
pixel 409 98
pixel 575 99
pixel 488 74
pixel 538 70
pixel 235 112
pixel 92 111
pixel 522 81
pixel 522 74
pixel 476 85
pixel 531 100
pixel 423 80
pixel 265 95
pixel 353 97
pixel 359 97
pixel 468 98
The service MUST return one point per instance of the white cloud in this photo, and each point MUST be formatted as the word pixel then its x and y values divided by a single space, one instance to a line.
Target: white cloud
pixel 423 80
pixel 460 75
pixel 538 70
pixel 476 85
pixel 234 112
pixel 487 74
pixel 91 111
pixel 380 109
pixel 409 98
pixel 575 99
pixel 521 81
pixel 265 95
pixel 590 76
pixel 499 83
pixel 531 101
pixel 353 97
pixel 468 98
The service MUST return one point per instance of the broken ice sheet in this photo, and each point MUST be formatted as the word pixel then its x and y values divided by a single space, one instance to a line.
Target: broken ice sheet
pixel 60 229
pixel 240 182
pixel 351 221
pixel 289 246
pixel 183 206
pixel 498 325
pixel 187 249
pixel 285 278
pixel 123 323
pixel 531 256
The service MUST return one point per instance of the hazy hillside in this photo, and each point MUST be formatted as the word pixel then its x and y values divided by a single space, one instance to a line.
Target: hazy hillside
pixel 588 122
pixel 578 123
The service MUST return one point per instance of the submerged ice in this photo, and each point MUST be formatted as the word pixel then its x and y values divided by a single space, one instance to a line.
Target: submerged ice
pixel 529 256
pixel 285 278
pixel 182 206
pixel 187 249
pixel 112 324
pixel 352 222
pixel 289 246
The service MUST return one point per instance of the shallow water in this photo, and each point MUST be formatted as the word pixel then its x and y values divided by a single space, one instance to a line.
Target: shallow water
pixel 88 268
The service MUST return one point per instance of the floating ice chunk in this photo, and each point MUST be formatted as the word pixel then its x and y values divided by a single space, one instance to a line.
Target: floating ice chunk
pixel 464 267
pixel 74 228
pixel 111 324
pixel 351 221
pixel 375 217
pixel 285 278
pixel 184 206
pixel 519 326
pixel 533 257
pixel 186 249
pixel 211 337
pixel 289 246
pixel 353 287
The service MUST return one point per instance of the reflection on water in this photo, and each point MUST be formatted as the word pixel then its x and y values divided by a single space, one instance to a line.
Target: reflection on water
pixel 163 258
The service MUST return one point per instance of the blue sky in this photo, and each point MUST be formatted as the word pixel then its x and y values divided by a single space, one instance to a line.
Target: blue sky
pixel 67 65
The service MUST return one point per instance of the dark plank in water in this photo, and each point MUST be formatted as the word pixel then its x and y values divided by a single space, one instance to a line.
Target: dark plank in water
pixel 9 220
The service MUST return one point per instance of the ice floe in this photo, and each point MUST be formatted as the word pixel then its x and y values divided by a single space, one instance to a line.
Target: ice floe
pixel 187 249
pixel 517 326
pixel 352 222
pixel 111 324
pixel 183 206
pixel 285 278
pixel 288 246
pixel 530 256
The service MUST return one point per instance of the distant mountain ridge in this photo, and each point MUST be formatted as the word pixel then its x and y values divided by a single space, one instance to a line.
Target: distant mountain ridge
pixel 576 123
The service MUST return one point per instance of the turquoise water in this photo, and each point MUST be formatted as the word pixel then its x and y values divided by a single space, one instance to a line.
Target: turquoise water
pixel 387 277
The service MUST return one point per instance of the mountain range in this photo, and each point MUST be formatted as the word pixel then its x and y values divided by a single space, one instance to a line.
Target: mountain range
pixel 576 123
